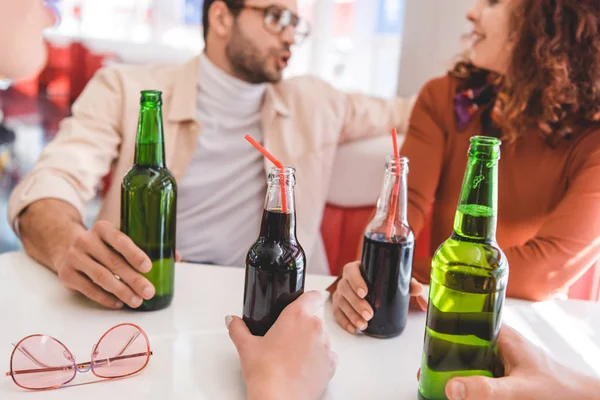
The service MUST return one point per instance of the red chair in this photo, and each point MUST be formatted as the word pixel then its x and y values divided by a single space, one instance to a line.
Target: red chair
pixel 342 230
pixel 69 68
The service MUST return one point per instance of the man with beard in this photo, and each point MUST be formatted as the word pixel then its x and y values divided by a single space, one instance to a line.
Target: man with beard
pixel 233 88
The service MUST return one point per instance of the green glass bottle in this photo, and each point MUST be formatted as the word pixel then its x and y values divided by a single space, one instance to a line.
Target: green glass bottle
pixel 149 202
pixel 468 282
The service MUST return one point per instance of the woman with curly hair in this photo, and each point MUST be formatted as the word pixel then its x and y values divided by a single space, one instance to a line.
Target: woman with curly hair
pixel 532 79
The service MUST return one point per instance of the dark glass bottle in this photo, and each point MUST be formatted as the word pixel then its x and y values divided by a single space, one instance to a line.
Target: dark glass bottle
pixel 387 255
pixel 276 263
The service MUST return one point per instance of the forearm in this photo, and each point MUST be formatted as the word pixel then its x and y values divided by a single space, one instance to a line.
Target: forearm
pixel 539 273
pixel 48 228
pixel 370 116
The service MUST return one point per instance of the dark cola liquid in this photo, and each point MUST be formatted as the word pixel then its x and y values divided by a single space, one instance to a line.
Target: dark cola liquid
pixel 275 269
pixel 387 268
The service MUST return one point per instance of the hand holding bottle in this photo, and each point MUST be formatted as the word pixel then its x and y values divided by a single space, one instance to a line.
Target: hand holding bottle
pixel 293 360
pixel 94 261
pixel 97 257
pixel 350 309
pixel 531 373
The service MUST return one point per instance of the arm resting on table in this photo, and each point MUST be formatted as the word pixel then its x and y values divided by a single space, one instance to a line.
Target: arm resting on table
pixel 46 208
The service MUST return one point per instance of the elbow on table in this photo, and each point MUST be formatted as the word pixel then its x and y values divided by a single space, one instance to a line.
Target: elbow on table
pixel 535 296
pixel 538 287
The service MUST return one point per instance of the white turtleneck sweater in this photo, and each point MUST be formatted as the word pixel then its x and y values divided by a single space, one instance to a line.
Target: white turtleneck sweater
pixel 221 195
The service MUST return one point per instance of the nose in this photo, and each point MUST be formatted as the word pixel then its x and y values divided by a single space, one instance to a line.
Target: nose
pixel 288 36
pixel 470 15
pixel 474 11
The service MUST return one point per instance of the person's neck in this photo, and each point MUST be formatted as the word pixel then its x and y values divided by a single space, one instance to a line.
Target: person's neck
pixel 219 59
pixel 223 94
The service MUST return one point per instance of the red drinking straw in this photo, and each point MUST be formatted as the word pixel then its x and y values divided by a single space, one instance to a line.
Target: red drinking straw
pixel 392 215
pixel 278 164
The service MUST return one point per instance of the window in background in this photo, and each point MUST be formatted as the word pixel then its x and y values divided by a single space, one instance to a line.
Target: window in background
pixel 107 19
pixel 354 45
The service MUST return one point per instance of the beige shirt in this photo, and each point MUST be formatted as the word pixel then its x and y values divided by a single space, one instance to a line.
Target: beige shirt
pixel 303 120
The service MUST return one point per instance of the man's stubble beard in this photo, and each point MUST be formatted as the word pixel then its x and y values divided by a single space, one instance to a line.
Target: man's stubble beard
pixel 245 61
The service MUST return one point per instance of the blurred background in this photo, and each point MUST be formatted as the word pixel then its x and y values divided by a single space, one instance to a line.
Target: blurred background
pixel 380 47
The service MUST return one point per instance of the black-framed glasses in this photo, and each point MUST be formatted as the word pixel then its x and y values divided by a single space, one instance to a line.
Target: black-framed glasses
pixel 278 19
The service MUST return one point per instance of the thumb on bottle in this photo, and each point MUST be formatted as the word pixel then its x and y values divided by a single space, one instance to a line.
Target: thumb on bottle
pixel 481 387
pixel 238 332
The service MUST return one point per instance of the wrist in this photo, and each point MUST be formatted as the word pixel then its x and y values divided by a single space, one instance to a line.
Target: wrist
pixel 272 388
pixel 47 229
pixel 60 248
pixel 264 391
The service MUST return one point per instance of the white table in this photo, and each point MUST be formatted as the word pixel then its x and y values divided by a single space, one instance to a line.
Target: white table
pixel 194 358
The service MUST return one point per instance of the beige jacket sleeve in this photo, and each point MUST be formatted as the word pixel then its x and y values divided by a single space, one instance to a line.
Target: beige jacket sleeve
pixel 362 116
pixel 367 116
pixel 71 167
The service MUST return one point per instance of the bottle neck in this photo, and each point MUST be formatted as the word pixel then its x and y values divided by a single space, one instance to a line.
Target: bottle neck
pixel 150 146
pixel 278 224
pixel 393 196
pixel 476 215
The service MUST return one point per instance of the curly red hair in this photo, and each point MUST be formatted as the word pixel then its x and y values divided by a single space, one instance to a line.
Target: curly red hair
pixel 553 78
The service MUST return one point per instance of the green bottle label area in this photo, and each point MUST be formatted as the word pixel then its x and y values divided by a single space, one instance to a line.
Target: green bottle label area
pixel 163 275
pixel 468 284
pixel 148 217
pixel 461 333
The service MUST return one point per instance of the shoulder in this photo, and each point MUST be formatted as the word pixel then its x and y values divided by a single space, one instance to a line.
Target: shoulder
pixel 435 101
pixel 585 149
pixel 439 92
pixel 125 77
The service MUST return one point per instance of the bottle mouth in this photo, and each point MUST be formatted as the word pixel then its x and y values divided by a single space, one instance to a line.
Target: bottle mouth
pixel 285 170
pixel 154 96
pixel 392 163
pixel 485 147
pixel 401 160
pixel 485 141
pixel 287 173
